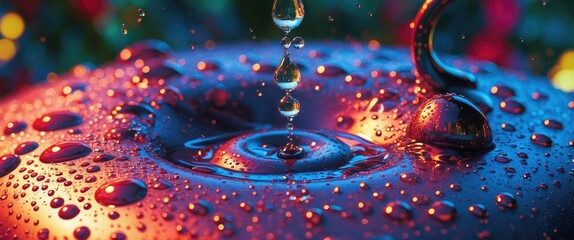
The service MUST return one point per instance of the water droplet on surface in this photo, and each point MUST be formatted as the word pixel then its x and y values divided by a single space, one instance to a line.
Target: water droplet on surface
pixel 200 207
pixel 43 233
pixel 510 105
pixel 141 13
pixel 287 76
pixel 68 211
pixel 15 127
pixel 506 200
pixel 57 202
pixel 143 113
pixel 478 210
pixel 26 147
pixel 298 42
pixel 398 210
pixel 8 163
pixel 65 151
pixel 314 216
pixel 287 14
pixel 541 140
pixel 356 80
pixel 82 233
pixel 508 127
pixel 502 159
pixel 121 192
pixel 289 107
pixel 118 236
pixel 104 157
pixel 502 91
pixel 549 123
pixel 57 120
pixel 451 121
pixel 443 211
pixel 147 49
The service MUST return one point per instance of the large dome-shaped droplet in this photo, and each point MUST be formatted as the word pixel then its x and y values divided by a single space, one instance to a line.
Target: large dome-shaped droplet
pixel 65 151
pixel 451 121
pixel 57 120
pixel 287 76
pixel 289 106
pixel 121 192
pixel 287 14
pixel 8 163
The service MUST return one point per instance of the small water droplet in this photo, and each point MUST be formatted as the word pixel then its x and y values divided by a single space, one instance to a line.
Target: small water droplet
pixel 68 211
pixel 478 210
pixel 541 140
pixel 43 233
pixel 443 211
pixel 510 105
pixel 358 5
pixel 57 120
pixel 502 91
pixel 331 18
pixel 549 123
pixel 26 147
pixel 57 202
pixel 8 163
pixel 508 127
pixel 118 236
pixel 502 159
pixel 15 127
pixel 65 151
pixel 200 207
pixel 506 200
pixel 398 210
pixel 298 42
pixel 286 42
pixel 82 233
pixel 141 13
pixel 314 216
pixel 121 192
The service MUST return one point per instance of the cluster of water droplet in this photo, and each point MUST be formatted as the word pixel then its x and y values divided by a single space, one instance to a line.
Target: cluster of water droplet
pixel 287 15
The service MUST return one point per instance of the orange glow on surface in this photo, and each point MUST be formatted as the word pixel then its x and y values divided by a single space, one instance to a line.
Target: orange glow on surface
pixel 67 90
pixel 431 211
pixel 321 69
pixel 79 71
pixel 374 45
pixel 389 210
pixel 256 67
pixel 201 66
pixel 125 54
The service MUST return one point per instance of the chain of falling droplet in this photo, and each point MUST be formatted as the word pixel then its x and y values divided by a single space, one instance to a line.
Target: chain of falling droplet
pixel 289 125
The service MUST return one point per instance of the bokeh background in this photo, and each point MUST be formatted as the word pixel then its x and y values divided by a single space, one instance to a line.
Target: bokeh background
pixel 41 37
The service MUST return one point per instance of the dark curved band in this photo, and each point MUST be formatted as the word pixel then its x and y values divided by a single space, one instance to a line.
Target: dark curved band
pixel 428 66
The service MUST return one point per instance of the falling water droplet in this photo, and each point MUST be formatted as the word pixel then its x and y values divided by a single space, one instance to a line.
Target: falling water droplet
pixel 541 140
pixel 8 163
pixel 121 192
pixel 68 211
pixel 287 76
pixel 443 211
pixel 124 29
pixel 298 42
pixel 57 120
pixel 398 210
pixel 287 14
pixel 65 151
pixel 289 107
pixel 26 147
